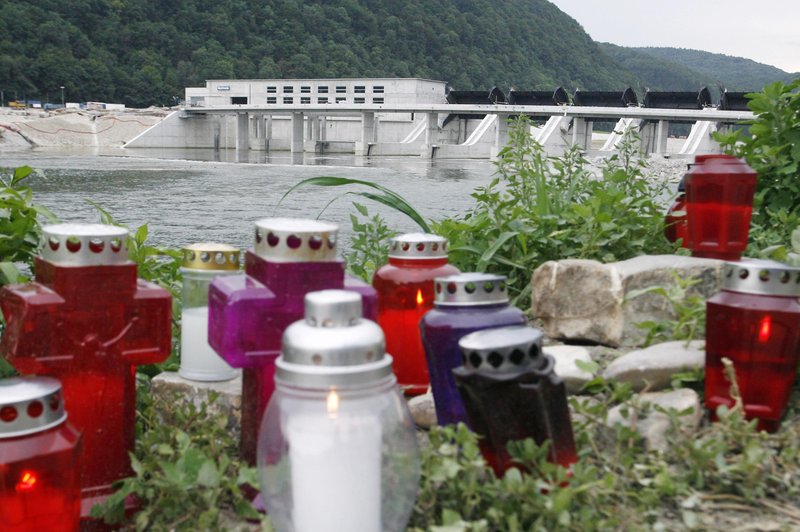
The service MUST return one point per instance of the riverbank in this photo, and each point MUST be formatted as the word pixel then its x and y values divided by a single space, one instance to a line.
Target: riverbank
pixel 31 128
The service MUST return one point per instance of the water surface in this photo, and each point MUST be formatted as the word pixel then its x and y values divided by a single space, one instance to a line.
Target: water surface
pixel 198 195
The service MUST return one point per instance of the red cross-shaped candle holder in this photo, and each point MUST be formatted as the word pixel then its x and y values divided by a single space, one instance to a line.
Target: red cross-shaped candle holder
pixel 88 321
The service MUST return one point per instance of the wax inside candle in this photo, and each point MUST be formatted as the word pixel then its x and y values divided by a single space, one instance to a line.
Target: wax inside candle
pixel 198 360
pixel 335 466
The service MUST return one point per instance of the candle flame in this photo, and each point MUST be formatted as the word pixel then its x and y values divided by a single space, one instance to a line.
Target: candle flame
pixel 27 481
pixel 333 404
pixel 764 329
pixel 419 298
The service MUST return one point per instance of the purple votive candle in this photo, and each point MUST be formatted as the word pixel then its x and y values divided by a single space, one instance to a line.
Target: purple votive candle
pixel 463 304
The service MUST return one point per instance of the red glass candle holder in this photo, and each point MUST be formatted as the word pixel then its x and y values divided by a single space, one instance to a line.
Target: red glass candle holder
pixel 39 453
pixel 676 225
pixel 464 303
pixel 405 294
pixel 755 322
pixel 719 203
pixel 88 321
pixel 511 392
pixel 248 313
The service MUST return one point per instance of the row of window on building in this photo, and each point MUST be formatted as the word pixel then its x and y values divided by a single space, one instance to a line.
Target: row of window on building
pixel 322 99
pixel 323 89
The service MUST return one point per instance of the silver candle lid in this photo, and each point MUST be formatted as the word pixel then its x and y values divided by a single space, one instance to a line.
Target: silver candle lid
pixel 334 345
pixel 762 277
pixel 467 289
pixel 295 240
pixel 84 244
pixel 503 349
pixel 29 405
pixel 418 246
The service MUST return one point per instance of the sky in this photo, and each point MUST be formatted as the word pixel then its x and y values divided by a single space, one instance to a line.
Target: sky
pixel 767 32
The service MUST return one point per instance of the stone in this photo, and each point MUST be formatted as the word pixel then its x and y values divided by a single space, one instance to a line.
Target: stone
pixel 578 299
pixel 654 425
pixel 586 300
pixel 654 366
pixel 171 387
pixel 566 357
pixel 660 270
pixel 423 411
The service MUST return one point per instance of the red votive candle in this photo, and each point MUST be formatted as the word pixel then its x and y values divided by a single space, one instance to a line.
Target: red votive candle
pixel 755 322
pixel 719 203
pixel 39 451
pixel 405 294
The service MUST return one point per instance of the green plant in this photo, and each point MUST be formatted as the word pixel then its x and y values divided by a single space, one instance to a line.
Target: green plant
pixel 771 146
pixel 617 483
pixel 382 195
pixel 187 475
pixel 542 208
pixel 369 246
pixel 790 254
pixel 20 225
pixel 688 306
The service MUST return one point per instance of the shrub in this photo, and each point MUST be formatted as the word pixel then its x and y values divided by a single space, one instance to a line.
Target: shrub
pixel 541 208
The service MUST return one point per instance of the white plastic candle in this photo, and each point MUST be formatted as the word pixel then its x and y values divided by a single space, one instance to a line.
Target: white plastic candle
pixel 199 361
pixel 335 463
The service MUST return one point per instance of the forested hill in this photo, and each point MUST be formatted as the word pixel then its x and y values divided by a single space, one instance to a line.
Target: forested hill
pixel 143 52
pixel 736 73
pixel 683 69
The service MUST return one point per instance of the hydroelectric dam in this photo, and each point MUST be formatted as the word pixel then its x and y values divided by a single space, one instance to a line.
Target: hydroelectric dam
pixel 422 118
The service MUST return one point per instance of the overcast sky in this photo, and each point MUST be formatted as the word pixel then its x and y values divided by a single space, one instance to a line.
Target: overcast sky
pixel 766 31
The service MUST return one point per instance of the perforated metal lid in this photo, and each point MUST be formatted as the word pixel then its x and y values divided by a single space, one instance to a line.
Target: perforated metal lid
pixel 503 349
pixel 295 240
pixel 468 289
pixel 334 345
pixel 418 246
pixel 210 256
pixel 84 244
pixel 29 405
pixel 764 277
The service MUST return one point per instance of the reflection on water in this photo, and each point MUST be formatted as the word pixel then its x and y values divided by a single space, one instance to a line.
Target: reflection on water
pixel 199 195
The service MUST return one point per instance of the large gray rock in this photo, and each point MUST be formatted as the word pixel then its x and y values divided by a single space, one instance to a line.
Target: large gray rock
pixel 566 357
pixel 660 270
pixel 171 388
pixel 654 425
pixel 654 366
pixel 587 300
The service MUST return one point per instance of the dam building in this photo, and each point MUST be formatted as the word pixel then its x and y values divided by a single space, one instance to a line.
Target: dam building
pixel 421 117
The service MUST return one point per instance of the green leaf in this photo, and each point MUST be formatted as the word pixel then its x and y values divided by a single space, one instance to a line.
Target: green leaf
pixel 208 475
pixel 386 196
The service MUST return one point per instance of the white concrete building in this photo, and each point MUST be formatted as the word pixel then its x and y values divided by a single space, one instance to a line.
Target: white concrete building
pixel 316 91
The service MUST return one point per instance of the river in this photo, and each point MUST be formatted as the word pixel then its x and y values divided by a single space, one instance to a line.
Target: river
pixel 191 196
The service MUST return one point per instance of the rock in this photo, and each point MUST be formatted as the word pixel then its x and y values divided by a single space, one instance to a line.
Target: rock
pixel 579 300
pixel 654 366
pixel 566 357
pixel 423 410
pixel 586 300
pixel 171 387
pixel 654 425
pixel 659 270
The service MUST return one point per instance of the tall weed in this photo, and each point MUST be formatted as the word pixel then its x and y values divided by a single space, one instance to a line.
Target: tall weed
pixel 539 208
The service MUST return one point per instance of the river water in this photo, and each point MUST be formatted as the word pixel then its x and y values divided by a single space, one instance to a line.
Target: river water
pixel 191 196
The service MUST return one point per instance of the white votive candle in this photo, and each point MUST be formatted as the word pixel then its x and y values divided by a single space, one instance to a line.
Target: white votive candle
pixel 199 362
pixel 335 464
